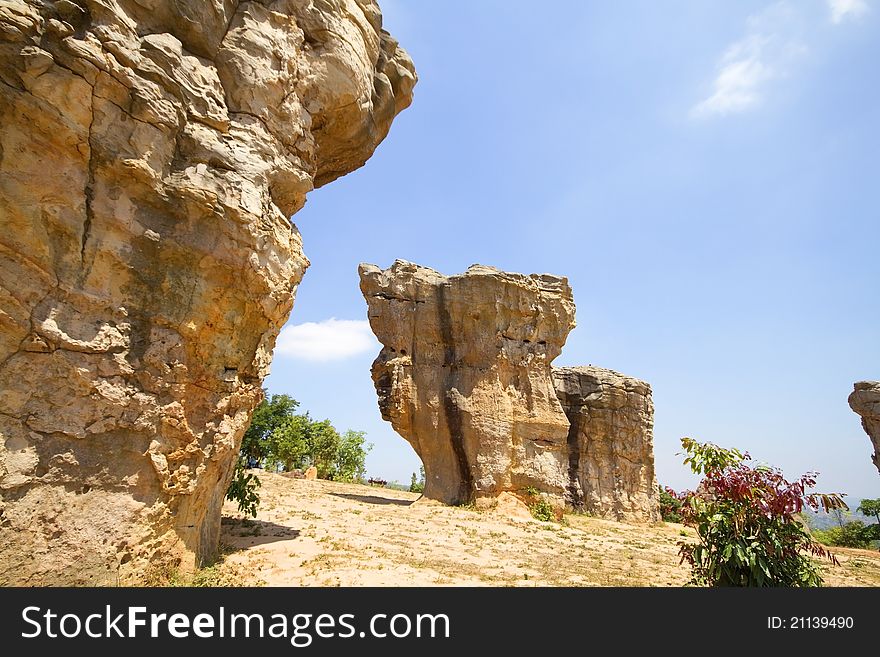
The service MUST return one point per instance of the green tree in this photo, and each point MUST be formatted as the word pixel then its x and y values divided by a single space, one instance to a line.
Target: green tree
pixel 288 445
pixel 854 534
pixel 323 447
pixel 418 485
pixel 870 508
pixel 272 413
pixel 278 438
pixel 747 522
pixel 351 456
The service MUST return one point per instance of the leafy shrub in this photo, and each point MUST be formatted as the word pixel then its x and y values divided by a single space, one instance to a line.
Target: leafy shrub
pixel 541 510
pixel 746 521
pixel 539 507
pixel 670 504
pixel 243 489
pixel 281 439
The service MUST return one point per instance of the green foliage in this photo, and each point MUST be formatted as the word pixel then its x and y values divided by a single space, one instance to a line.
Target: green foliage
pixel 670 505
pixel 351 456
pixel 870 508
pixel 287 447
pixel 704 458
pixel 540 508
pixel 272 413
pixel 280 439
pixel 747 523
pixel 853 534
pixel 418 485
pixel 243 489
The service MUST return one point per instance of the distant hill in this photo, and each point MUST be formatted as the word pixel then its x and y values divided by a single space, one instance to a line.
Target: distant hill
pixel 823 520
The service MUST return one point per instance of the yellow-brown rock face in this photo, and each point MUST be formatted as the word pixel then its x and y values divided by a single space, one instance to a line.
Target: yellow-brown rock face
pixel 150 156
pixel 865 400
pixel 464 376
pixel 611 443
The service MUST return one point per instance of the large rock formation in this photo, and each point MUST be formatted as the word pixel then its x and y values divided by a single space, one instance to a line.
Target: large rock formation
pixel 865 400
pixel 464 376
pixel 151 153
pixel 610 443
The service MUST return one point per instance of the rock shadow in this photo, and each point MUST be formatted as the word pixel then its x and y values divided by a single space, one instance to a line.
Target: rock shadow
pixel 246 532
pixel 372 499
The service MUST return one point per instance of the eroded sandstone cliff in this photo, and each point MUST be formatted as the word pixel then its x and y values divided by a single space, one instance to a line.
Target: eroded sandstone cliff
pixel 865 400
pixel 610 443
pixel 150 155
pixel 464 376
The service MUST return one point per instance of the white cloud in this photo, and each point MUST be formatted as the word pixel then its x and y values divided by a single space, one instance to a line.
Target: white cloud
pixel 765 53
pixel 330 339
pixel 843 9
pixel 737 86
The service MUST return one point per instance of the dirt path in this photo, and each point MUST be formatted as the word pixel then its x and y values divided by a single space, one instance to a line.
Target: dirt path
pixel 321 533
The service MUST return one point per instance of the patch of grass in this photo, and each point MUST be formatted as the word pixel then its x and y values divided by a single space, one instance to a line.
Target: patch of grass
pixel 216 574
pixel 159 575
pixel 540 508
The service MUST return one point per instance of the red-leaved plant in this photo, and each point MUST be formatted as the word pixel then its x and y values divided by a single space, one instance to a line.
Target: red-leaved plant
pixel 747 523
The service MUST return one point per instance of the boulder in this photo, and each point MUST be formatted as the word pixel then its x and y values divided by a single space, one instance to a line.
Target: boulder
pixel 610 443
pixel 151 154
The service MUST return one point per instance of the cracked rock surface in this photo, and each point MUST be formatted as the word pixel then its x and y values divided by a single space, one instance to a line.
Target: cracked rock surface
pixel 150 155
pixel 464 376
pixel 865 400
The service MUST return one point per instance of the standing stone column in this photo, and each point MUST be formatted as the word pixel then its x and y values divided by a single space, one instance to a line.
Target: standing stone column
pixel 464 376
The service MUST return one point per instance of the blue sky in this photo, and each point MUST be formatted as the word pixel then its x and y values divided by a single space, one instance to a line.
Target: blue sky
pixel 706 175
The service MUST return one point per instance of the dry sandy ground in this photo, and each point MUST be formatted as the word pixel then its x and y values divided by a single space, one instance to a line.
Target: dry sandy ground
pixel 321 533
